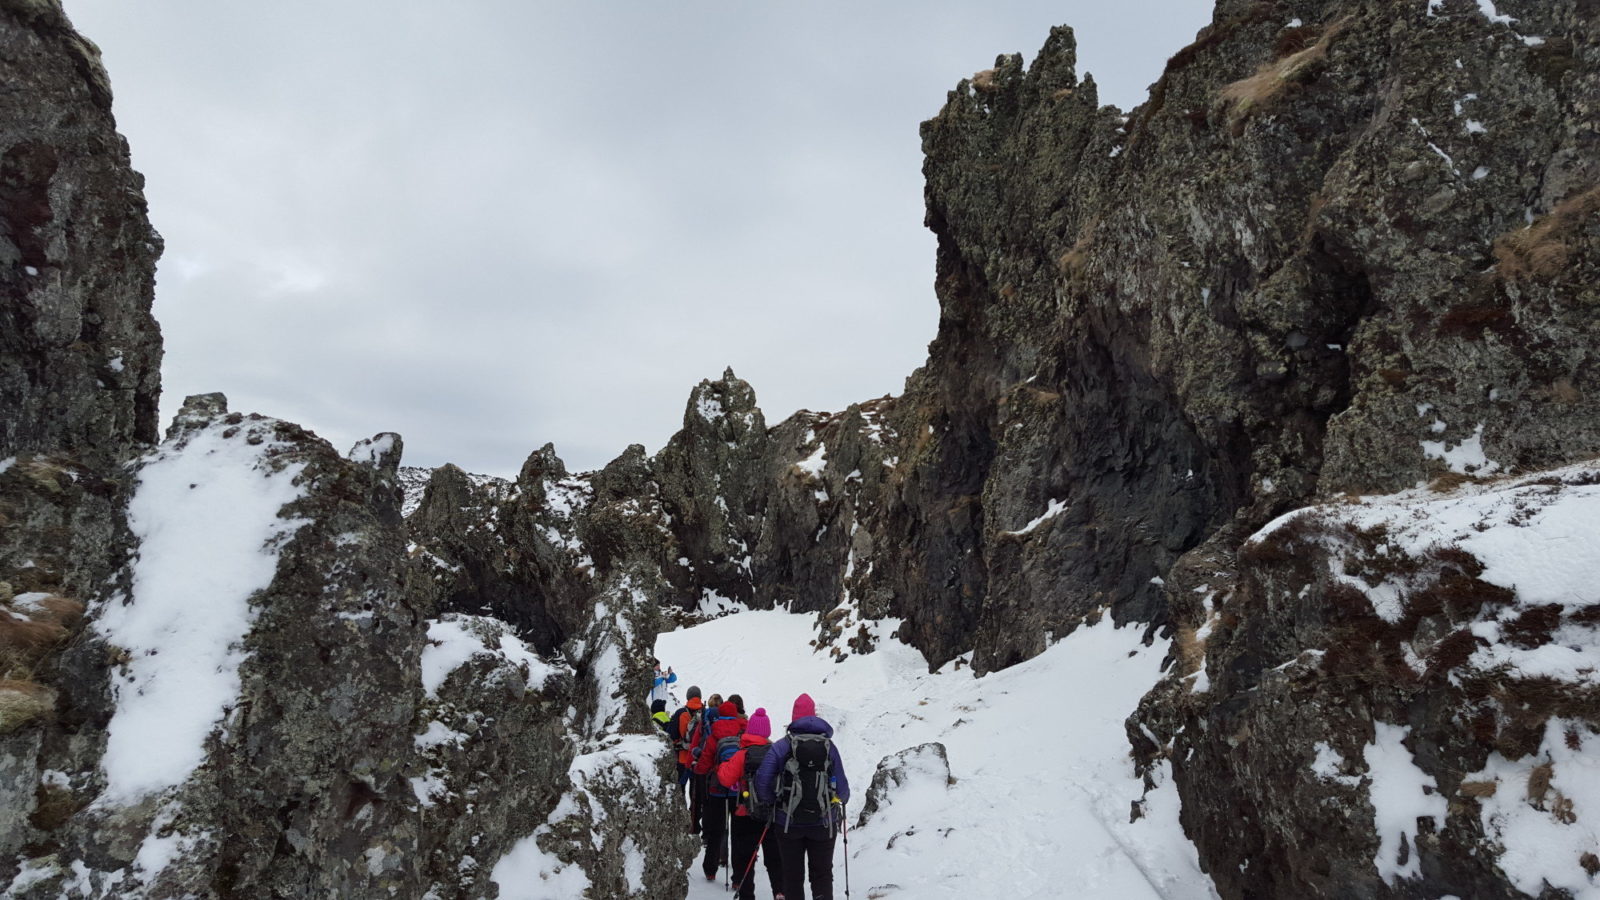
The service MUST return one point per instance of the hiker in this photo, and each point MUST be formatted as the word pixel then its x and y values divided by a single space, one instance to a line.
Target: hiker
pixel 803 778
pixel 658 714
pixel 737 701
pixel 720 743
pixel 658 690
pixel 697 780
pixel 683 729
pixel 752 831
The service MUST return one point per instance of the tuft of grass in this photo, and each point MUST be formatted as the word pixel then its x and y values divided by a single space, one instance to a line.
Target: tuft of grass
pixel 24 641
pixel 1272 80
pixel 1449 481
pixel 1541 250
pixel 1478 788
pixel 1452 652
pixel 1073 261
pixel 53 805
pixel 1533 627
pixel 22 702
pixel 1539 783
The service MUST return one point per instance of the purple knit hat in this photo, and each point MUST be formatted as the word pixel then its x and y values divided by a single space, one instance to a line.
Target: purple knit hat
pixel 760 725
pixel 803 706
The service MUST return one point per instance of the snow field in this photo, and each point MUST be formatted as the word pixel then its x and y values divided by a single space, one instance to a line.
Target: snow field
pixel 1041 780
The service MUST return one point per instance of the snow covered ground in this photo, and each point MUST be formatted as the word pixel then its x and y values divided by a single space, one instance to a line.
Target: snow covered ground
pixel 1042 783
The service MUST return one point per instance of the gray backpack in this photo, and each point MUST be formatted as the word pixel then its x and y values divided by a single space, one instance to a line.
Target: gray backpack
pixel 805 788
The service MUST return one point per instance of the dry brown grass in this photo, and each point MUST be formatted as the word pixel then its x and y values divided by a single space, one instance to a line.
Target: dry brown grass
pixel 1539 783
pixel 1073 261
pixel 1478 788
pixel 22 702
pixel 1534 627
pixel 1188 651
pixel 24 641
pixel 1449 481
pixel 1452 652
pixel 1562 390
pixel 984 82
pixel 53 806
pixel 1541 250
pixel 1269 83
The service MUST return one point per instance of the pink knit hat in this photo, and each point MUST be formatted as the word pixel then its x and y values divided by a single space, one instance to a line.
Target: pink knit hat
pixel 804 706
pixel 760 725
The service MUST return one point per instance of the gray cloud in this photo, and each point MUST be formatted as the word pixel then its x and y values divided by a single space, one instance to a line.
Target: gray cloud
pixel 489 225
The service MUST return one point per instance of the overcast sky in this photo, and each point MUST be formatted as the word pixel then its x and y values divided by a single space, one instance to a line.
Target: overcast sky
pixel 488 225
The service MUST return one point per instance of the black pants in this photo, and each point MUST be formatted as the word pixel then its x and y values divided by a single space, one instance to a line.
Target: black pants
pixel 806 849
pixel 746 834
pixel 714 828
pixel 697 803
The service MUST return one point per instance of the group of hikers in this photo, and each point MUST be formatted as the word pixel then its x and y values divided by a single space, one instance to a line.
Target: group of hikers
pixel 750 797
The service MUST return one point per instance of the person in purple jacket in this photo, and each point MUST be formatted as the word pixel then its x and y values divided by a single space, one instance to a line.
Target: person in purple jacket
pixel 807 800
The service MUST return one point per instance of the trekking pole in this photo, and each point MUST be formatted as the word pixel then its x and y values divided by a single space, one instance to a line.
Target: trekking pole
pixel 727 844
pixel 844 828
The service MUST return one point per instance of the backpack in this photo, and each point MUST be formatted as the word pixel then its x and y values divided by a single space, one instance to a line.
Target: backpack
pixel 761 812
pixel 805 789
pixel 726 748
pixel 701 736
pixel 687 726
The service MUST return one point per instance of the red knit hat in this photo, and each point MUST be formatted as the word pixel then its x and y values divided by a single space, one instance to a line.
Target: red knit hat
pixel 804 706
pixel 728 710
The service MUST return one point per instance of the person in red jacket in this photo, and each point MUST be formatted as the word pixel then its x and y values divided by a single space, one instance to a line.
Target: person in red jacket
pixel 750 829
pixel 719 800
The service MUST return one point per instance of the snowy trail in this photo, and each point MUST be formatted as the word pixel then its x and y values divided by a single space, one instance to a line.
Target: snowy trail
pixel 1041 786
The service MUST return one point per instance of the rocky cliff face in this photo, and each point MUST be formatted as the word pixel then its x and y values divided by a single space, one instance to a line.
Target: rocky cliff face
pixel 80 354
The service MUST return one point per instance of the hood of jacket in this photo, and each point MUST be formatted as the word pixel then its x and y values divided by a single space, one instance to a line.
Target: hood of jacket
pixel 811 725
pixel 722 728
pixel 752 740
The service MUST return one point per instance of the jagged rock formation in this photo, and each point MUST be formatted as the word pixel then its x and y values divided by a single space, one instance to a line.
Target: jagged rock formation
pixel 1344 247
pixel 80 354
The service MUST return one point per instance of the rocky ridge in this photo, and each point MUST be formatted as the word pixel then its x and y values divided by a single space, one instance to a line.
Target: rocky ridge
pixel 1344 247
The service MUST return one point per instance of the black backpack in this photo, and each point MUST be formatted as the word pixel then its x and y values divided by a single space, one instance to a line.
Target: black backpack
pixel 761 812
pixel 726 748
pixel 805 788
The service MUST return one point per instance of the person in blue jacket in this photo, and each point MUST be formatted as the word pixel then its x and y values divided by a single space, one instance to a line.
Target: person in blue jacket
pixel 805 842
pixel 658 690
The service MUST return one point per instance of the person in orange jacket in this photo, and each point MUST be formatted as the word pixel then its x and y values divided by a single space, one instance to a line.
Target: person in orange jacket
pixel 682 727
pixel 750 821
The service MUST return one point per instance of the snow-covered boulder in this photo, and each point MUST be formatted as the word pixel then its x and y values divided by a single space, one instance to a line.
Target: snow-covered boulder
pixel 240 709
pixel 902 777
